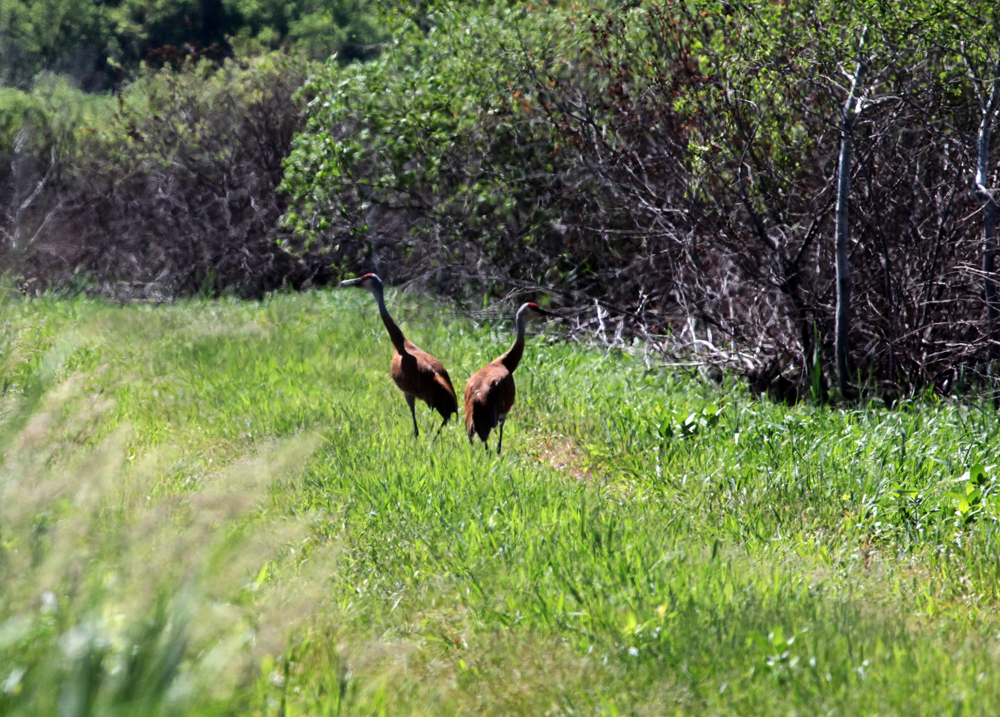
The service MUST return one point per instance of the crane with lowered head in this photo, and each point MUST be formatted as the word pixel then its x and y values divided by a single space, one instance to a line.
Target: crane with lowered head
pixel 415 372
pixel 489 394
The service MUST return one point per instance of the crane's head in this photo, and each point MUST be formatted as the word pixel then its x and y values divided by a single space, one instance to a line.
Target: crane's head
pixel 368 282
pixel 533 312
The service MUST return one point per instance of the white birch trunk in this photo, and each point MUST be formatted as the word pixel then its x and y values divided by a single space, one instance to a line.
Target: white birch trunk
pixel 989 214
pixel 843 325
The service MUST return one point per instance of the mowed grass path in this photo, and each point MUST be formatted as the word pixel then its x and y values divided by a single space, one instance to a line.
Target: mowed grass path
pixel 218 508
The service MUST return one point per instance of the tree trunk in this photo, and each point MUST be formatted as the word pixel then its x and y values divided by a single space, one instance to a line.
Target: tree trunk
pixel 989 216
pixel 843 325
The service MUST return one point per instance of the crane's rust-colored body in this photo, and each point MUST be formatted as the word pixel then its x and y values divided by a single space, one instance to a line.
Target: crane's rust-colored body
pixel 490 393
pixel 414 371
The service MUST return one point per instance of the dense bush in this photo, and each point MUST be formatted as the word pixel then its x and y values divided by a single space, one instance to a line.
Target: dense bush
pixel 677 163
pixel 168 186
pixel 172 194
pixel 42 135
pixel 426 161
pixel 674 167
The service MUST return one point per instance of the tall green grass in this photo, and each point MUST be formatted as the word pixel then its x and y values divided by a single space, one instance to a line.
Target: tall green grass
pixel 219 508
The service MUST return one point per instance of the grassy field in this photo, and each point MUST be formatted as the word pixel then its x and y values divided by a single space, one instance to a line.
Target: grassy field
pixel 218 508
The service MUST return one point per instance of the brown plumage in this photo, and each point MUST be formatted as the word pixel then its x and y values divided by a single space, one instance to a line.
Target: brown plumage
pixel 415 372
pixel 490 393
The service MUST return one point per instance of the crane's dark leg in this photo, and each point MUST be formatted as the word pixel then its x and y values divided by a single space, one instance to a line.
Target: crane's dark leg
pixel 500 443
pixel 440 428
pixel 411 402
pixel 496 421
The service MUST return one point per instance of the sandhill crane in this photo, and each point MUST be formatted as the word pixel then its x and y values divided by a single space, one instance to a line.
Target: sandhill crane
pixel 489 394
pixel 416 372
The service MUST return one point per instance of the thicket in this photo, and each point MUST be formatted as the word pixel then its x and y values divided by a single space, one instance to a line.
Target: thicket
pixel 669 169
pixel 167 186
pixel 168 189
pixel 677 164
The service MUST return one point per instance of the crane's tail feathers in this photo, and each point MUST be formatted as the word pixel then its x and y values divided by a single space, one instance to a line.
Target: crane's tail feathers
pixel 482 420
pixel 443 399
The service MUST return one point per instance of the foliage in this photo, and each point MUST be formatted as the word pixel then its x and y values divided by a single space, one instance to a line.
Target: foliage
pixel 402 145
pixel 178 475
pixel 41 132
pixel 101 44
pixel 671 165
pixel 168 190
pixel 676 162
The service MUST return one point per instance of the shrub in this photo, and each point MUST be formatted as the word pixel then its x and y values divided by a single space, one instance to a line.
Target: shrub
pixel 675 165
pixel 175 194
pixel 41 136
pixel 425 160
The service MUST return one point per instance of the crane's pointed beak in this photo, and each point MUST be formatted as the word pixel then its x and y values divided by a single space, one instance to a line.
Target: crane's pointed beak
pixel 351 282
pixel 543 312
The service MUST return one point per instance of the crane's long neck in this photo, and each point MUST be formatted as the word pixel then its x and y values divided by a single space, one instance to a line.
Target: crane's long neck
pixel 395 333
pixel 512 358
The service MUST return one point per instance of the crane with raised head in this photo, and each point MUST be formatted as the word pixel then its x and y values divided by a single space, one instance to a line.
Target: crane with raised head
pixel 415 372
pixel 489 394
